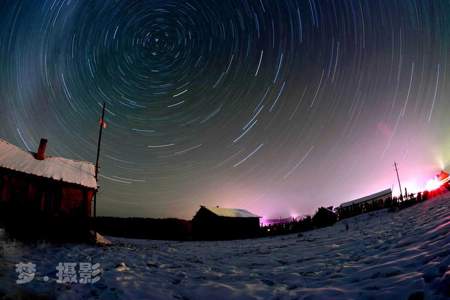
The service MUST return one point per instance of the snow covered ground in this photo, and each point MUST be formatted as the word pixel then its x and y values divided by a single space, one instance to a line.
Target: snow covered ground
pixel 381 256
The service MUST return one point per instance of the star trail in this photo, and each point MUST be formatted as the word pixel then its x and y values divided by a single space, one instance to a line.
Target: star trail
pixel 278 107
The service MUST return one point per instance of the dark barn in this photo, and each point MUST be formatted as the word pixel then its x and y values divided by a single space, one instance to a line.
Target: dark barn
pixel 33 185
pixel 324 217
pixel 217 223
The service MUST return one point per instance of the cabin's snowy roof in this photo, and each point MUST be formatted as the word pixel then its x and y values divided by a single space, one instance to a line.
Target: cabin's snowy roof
pixel 231 212
pixel 56 168
pixel 367 198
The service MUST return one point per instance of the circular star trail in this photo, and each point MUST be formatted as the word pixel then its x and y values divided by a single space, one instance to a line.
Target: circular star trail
pixel 274 106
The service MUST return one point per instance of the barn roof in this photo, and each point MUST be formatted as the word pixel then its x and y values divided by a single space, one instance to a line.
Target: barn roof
pixel 231 212
pixel 367 198
pixel 56 168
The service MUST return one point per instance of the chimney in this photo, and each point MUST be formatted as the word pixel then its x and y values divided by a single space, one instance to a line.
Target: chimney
pixel 40 155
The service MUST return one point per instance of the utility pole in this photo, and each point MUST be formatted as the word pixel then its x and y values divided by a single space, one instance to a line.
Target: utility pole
pixel 102 124
pixel 399 184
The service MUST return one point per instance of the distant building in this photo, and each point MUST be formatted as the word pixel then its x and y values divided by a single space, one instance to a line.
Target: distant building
pixel 279 221
pixel 324 217
pixel 51 186
pixel 217 223
pixel 365 204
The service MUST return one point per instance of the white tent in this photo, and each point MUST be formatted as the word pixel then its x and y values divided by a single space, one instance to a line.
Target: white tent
pixel 373 197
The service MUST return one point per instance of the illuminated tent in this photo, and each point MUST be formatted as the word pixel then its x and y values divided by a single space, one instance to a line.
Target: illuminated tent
pixel 364 204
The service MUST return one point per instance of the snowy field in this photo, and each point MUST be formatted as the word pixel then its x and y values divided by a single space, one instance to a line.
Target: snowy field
pixel 381 256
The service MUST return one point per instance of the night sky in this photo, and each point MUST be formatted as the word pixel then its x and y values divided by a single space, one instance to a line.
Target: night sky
pixel 278 107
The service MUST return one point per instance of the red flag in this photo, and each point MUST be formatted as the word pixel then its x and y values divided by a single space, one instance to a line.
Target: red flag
pixel 103 123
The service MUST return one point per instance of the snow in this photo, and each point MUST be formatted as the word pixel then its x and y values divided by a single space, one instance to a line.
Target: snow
pixel 387 192
pixel 231 212
pixel 382 255
pixel 56 168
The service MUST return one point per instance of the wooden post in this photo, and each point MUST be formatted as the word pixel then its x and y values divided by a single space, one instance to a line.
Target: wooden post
pixel 102 122
pixel 398 178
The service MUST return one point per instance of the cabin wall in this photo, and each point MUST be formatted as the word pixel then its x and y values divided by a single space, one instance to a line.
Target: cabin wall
pixel 4 190
pixel 73 200
pixel 27 193
pixel 76 200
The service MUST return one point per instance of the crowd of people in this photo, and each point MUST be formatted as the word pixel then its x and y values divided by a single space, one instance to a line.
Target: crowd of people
pixel 323 217
pixel 328 216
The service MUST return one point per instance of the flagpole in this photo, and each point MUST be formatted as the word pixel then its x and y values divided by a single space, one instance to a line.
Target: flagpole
pixel 399 184
pixel 102 122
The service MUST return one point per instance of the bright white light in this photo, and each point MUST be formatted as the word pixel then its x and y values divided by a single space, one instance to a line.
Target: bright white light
pixel 432 184
pixel 412 186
